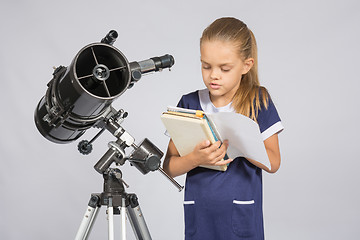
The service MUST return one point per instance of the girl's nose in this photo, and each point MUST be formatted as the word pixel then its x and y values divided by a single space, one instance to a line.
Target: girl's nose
pixel 214 74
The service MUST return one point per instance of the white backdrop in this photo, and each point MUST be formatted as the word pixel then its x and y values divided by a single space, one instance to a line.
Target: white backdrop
pixel 308 59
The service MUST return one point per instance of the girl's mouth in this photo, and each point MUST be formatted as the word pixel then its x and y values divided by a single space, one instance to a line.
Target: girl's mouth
pixel 214 86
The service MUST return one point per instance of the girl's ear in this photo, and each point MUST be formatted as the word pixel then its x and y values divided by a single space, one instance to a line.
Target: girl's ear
pixel 248 63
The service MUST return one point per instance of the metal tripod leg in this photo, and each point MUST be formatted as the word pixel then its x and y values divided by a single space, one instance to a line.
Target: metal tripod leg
pixel 130 205
pixel 123 218
pixel 110 212
pixel 89 218
pixel 114 196
pixel 137 220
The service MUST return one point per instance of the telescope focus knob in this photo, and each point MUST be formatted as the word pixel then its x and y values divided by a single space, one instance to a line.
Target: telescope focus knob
pixel 85 147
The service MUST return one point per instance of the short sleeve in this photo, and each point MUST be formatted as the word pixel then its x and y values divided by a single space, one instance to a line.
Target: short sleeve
pixel 190 101
pixel 269 121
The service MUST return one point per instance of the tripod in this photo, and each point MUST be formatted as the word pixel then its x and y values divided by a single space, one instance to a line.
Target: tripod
pixel 145 157
pixel 114 196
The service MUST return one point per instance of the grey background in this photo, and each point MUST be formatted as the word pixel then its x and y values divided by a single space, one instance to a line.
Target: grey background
pixel 308 59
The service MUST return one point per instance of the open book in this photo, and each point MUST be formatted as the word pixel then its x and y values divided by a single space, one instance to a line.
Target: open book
pixel 188 127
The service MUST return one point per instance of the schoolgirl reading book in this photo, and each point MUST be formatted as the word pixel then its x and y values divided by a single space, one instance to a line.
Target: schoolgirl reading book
pixel 227 205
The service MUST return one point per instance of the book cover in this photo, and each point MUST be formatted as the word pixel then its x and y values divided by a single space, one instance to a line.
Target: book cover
pixel 187 128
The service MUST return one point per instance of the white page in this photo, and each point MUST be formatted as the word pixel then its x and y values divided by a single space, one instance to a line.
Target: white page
pixel 244 136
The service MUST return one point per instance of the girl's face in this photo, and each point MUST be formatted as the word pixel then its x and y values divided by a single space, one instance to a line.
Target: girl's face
pixel 222 69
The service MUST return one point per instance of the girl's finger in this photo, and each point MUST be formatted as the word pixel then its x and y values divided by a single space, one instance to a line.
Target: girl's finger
pixel 223 162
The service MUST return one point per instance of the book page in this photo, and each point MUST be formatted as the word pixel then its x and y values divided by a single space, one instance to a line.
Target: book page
pixel 243 134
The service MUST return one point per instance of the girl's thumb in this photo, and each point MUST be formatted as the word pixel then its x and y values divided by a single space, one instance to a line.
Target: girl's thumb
pixel 205 144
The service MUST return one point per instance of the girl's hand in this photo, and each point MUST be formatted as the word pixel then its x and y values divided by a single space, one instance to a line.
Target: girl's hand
pixel 203 154
pixel 206 153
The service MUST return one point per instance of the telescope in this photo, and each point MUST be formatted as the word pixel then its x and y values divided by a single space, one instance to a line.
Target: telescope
pixel 79 97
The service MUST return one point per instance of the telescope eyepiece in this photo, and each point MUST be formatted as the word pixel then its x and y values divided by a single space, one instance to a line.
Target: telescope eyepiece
pixel 166 61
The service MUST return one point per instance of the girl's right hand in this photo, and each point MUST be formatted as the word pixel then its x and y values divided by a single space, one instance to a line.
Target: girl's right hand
pixel 203 154
pixel 206 153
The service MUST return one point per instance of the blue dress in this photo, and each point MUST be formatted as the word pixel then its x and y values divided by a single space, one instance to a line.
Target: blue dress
pixel 226 205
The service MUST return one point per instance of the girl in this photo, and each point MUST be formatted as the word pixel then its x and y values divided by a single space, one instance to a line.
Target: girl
pixel 227 205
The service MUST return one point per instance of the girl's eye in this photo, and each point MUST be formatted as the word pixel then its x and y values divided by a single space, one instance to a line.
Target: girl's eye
pixel 206 67
pixel 225 69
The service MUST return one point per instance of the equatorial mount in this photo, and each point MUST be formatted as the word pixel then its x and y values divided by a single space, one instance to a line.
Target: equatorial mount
pixel 145 157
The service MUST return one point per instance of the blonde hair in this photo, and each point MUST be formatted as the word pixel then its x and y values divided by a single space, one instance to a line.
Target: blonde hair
pixel 250 96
